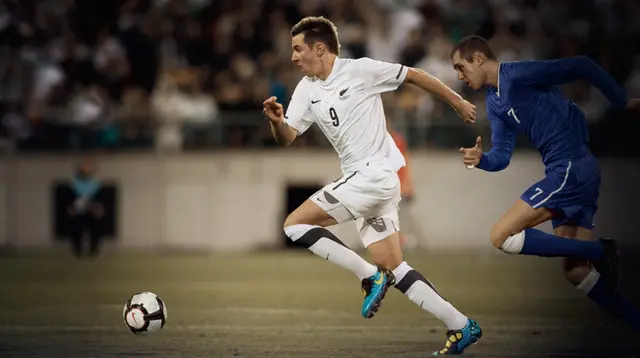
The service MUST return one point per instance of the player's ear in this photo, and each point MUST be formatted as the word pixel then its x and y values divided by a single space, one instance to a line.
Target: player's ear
pixel 319 49
pixel 478 57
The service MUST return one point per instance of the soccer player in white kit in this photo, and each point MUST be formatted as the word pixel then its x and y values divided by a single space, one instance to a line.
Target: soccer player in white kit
pixel 342 96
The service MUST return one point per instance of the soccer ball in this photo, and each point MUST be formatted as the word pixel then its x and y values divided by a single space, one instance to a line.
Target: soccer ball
pixel 145 312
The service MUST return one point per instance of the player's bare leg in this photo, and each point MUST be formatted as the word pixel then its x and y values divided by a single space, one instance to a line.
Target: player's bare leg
pixel 589 264
pixel 306 226
pixel 587 279
pixel 575 270
pixel 461 331
pixel 514 234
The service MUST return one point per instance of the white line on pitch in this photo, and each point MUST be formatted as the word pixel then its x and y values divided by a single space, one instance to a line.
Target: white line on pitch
pixel 305 327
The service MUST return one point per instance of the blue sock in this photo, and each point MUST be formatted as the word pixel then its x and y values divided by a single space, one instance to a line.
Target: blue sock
pixel 540 243
pixel 615 303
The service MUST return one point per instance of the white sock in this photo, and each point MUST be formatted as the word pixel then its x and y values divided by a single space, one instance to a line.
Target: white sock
pixel 588 282
pixel 325 244
pixel 421 292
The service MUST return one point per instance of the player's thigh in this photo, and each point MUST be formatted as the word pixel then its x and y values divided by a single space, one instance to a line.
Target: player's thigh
pixel 309 213
pixel 335 203
pixel 570 190
pixel 380 235
pixel 566 231
pixel 518 217
pixel 535 206
pixel 574 232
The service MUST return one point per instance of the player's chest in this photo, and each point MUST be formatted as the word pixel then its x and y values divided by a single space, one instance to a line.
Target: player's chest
pixel 332 105
pixel 513 115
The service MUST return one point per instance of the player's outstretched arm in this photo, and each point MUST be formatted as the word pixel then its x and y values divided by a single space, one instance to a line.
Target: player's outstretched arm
pixel 566 70
pixel 499 156
pixel 282 132
pixel 383 76
pixel 465 109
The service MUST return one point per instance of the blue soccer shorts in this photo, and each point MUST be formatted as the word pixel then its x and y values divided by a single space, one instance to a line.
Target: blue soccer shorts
pixel 570 190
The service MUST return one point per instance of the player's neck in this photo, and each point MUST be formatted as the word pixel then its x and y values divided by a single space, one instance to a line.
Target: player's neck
pixel 493 73
pixel 327 67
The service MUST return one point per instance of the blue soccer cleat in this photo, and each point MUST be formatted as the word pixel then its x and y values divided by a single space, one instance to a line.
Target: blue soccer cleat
pixel 374 289
pixel 458 340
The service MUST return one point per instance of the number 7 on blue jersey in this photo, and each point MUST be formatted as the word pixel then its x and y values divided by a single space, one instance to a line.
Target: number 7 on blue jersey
pixel 512 113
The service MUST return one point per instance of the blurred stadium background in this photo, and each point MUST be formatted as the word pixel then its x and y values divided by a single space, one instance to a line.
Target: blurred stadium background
pixel 160 102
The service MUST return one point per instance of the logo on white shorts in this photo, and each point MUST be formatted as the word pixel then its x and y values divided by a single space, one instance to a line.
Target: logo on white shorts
pixel 377 224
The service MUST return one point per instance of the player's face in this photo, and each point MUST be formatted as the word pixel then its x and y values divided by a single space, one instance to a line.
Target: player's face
pixel 304 56
pixel 469 72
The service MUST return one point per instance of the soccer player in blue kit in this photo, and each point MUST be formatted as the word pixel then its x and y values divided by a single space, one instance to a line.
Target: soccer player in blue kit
pixel 522 96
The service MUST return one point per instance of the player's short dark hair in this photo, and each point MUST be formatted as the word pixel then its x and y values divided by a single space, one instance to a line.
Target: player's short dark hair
pixel 471 44
pixel 318 29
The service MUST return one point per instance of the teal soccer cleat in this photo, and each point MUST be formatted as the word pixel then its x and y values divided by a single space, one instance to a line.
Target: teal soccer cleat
pixel 458 340
pixel 374 289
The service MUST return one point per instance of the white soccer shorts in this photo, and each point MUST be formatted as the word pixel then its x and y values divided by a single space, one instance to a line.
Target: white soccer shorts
pixel 369 196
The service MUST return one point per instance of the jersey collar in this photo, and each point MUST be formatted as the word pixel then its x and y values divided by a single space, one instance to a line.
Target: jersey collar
pixel 498 82
pixel 336 67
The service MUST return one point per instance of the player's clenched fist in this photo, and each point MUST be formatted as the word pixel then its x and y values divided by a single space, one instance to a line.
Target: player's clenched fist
pixel 273 110
pixel 466 110
pixel 471 156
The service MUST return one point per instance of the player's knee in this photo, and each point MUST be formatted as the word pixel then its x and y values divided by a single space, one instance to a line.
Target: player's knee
pixel 389 260
pixel 296 231
pixel 511 244
pixel 576 271
pixel 294 228
pixel 386 253
pixel 498 236
pixel 291 220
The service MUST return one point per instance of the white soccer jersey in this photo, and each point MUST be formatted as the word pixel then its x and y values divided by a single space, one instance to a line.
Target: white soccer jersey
pixel 347 108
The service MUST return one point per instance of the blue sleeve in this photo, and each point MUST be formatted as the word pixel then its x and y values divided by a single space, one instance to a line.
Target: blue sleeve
pixel 566 70
pixel 503 141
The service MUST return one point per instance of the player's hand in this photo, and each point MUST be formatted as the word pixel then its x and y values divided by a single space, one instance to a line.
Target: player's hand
pixel 466 110
pixel 633 104
pixel 273 110
pixel 471 156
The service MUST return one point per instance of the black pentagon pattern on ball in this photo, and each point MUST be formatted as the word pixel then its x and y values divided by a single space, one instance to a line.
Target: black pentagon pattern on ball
pixel 158 315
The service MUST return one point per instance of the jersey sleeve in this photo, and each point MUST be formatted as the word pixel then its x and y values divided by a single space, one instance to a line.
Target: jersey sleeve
pixel 380 76
pixel 298 115
pixel 566 70
pixel 503 141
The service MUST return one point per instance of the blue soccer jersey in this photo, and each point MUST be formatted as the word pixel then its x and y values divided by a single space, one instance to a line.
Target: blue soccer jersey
pixel 527 100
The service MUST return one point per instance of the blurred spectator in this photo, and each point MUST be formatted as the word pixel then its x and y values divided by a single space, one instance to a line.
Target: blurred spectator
pixel 186 114
pixel 86 213
pixel 88 115
pixel 100 74
pixel 110 62
pixel 16 131
pixel 134 122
